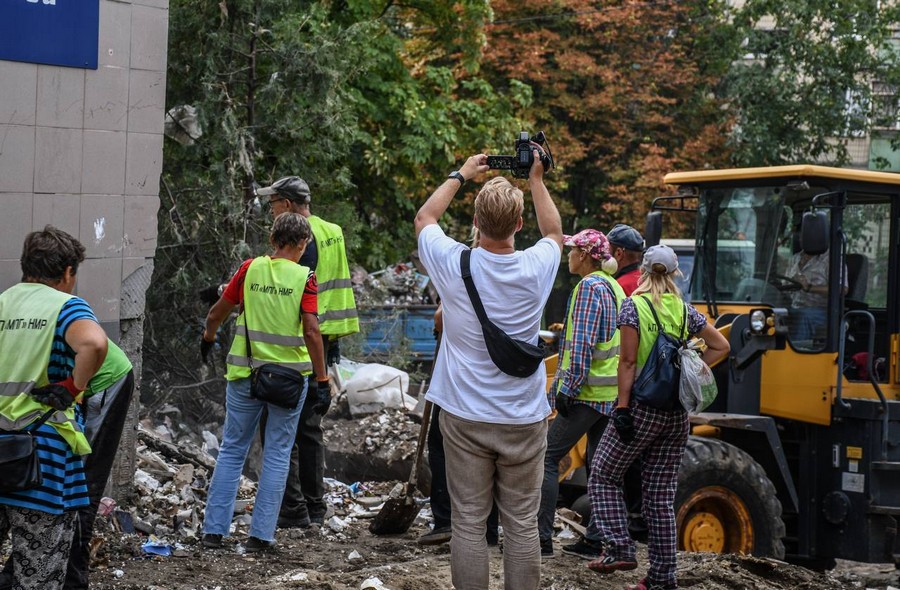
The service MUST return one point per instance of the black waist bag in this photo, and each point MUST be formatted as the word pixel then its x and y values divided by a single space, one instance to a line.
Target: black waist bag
pixel 20 467
pixel 276 385
pixel 657 385
pixel 513 357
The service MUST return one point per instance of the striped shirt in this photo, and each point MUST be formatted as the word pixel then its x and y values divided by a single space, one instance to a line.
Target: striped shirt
pixel 593 320
pixel 64 486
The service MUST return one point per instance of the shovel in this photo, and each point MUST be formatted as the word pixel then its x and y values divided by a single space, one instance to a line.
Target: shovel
pixel 397 514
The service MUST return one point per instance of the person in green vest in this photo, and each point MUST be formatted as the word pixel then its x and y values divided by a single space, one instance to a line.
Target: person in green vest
pixel 326 254
pixel 51 345
pixel 658 437
pixel 277 326
pixel 584 389
pixel 108 397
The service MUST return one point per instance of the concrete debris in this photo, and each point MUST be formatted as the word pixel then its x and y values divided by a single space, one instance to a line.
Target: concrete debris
pixel 398 284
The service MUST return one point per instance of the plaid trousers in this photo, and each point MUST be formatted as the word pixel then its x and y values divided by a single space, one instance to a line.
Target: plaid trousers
pixel 660 438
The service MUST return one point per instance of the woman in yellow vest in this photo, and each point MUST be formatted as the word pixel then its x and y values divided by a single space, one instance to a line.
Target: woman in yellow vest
pixel 51 346
pixel 584 390
pixel 657 437
pixel 279 306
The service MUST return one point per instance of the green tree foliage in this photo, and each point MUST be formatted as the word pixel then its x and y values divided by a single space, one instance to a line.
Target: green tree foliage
pixel 803 86
pixel 372 103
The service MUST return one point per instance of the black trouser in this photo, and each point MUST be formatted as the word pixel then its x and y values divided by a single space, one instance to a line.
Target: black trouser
pixel 104 439
pixel 440 495
pixel 305 488
pixel 105 414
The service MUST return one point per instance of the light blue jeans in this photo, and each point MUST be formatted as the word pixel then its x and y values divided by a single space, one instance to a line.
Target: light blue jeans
pixel 241 419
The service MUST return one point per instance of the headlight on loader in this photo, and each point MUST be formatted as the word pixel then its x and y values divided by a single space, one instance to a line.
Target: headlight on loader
pixel 758 321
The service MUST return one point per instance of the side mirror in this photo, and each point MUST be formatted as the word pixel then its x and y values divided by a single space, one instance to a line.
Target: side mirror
pixel 814 232
pixel 653 228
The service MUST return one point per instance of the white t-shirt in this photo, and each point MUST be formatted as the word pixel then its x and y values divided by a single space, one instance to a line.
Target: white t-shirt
pixel 514 289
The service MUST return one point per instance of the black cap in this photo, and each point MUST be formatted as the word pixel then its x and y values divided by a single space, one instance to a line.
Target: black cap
pixel 625 236
pixel 289 187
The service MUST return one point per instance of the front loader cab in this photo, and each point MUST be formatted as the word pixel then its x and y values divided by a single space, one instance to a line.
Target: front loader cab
pixel 800 265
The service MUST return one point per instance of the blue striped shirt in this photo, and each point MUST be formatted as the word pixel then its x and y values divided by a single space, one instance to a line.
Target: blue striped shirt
pixel 64 486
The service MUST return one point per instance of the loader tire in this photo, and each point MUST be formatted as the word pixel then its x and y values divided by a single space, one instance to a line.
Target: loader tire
pixel 725 502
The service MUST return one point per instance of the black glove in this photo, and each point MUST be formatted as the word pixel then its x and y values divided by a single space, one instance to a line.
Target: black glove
pixel 205 347
pixel 323 398
pixel 563 402
pixel 624 424
pixel 55 395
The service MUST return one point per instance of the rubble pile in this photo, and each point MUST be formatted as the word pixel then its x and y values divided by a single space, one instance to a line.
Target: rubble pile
pixel 170 496
pixel 398 284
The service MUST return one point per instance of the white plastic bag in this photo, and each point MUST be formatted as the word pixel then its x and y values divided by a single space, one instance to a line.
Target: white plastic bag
pixel 697 388
pixel 374 387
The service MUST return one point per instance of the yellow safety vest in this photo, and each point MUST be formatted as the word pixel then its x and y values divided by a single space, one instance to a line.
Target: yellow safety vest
pixel 28 316
pixel 337 307
pixel 273 289
pixel 601 384
pixel 671 315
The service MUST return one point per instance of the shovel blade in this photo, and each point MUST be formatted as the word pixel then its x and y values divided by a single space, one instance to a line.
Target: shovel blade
pixel 395 517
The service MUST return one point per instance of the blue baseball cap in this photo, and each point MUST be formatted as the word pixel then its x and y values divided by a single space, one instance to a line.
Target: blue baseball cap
pixel 625 236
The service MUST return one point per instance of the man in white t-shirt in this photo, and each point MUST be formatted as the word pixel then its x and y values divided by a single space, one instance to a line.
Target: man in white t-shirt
pixel 494 425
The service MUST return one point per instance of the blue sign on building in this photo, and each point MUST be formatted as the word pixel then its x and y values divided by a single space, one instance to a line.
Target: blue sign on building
pixel 57 32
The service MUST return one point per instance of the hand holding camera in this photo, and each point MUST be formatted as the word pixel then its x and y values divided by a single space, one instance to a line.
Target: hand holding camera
pixel 529 152
pixel 474 166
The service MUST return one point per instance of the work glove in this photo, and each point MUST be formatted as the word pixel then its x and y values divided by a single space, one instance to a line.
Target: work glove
pixel 623 422
pixel 59 396
pixel 323 398
pixel 205 347
pixel 563 402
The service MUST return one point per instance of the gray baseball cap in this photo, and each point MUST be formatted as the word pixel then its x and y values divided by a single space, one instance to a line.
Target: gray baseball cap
pixel 289 187
pixel 660 254
pixel 625 236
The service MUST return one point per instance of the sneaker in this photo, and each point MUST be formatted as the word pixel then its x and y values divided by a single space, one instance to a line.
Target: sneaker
pixel 436 536
pixel 645 584
pixel 585 549
pixel 255 545
pixel 211 541
pixel 546 548
pixel 288 522
pixel 606 564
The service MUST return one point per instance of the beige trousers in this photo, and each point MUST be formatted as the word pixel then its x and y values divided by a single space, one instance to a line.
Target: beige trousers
pixel 488 462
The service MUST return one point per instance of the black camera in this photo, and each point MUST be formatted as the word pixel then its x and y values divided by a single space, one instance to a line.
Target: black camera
pixel 521 163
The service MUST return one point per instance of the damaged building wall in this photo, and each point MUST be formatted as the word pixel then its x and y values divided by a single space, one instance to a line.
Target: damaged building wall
pixel 81 149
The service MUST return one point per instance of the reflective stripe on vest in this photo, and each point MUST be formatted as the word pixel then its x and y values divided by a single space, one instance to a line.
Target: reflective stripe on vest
pixel 337 307
pixel 258 336
pixel 272 291
pixel 242 361
pixel 601 383
pixel 670 310
pixel 32 340
pixel 16 387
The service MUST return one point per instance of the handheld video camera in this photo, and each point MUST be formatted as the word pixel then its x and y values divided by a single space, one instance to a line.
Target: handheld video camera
pixel 521 163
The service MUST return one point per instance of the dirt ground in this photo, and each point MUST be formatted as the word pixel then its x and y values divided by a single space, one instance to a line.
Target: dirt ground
pixel 322 559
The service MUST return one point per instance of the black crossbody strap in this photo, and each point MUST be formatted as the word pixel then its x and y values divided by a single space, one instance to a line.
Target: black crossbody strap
pixel 470 286
pixel 247 337
pixel 44 417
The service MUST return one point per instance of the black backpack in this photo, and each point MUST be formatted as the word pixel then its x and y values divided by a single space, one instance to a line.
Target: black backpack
pixel 658 383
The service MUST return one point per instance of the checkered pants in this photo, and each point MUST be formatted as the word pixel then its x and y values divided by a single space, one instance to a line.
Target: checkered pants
pixel 660 438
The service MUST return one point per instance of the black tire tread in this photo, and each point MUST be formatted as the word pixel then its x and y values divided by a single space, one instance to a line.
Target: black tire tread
pixel 704 455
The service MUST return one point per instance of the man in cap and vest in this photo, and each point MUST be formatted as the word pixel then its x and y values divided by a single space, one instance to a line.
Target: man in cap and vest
pixel 584 390
pixel 627 248
pixel 326 255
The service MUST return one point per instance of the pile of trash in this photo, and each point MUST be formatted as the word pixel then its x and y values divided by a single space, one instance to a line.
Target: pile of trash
pixel 165 516
pixel 398 284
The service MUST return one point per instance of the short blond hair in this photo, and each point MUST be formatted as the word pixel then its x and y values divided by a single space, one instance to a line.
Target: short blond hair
pixel 498 208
